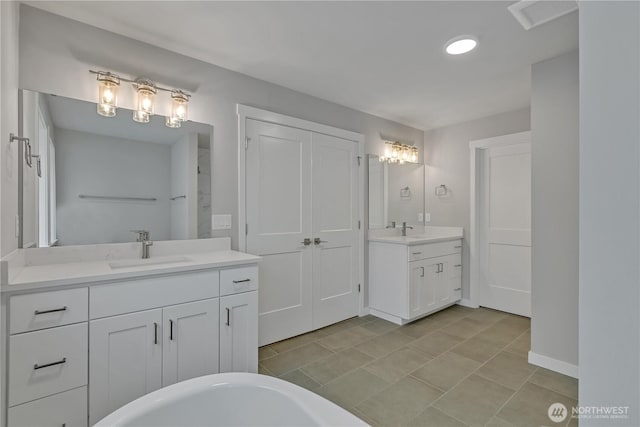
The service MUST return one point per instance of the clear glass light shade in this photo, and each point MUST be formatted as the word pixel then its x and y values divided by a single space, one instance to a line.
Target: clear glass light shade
pixel 414 155
pixel 173 123
pixel 108 85
pixel 141 117
pixel 146 94
pixel 179 106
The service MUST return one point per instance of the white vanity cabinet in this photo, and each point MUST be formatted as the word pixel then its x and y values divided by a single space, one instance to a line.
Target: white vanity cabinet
pixel 75 355
pixel 407 282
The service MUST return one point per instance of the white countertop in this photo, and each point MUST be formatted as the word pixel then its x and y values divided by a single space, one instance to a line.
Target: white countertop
pixel 48 275
pixel 416 236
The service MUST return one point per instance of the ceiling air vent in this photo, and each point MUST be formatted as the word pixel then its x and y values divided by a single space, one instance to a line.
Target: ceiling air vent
pixel 531 13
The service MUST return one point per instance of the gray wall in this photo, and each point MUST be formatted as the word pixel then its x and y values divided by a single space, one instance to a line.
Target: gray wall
pixel 56 54
pixel 447 160
pixel 554 237
pixel 610 207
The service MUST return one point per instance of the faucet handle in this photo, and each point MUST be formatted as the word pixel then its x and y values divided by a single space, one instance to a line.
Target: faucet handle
pixel 143 235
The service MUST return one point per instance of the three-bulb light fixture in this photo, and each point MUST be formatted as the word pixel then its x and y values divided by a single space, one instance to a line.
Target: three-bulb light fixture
pixel 396 152
pixel 109 83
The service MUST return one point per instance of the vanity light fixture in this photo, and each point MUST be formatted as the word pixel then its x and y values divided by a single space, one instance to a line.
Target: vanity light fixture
pixel 146 90
pixel 396 152
pixel 108 85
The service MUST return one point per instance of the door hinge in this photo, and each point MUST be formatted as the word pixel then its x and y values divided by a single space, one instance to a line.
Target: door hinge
pixel 359 287
pixel 246 229
pixel 246 142
pixel 359 159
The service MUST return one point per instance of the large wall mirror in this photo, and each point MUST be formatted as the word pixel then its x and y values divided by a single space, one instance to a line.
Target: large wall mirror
pixel 396 193
pixel 93 179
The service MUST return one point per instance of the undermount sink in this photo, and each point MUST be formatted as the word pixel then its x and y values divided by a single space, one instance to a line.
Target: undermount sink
pixel 130 263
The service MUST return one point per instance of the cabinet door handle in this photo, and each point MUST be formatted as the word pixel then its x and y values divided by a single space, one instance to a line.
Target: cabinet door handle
pixel 55 310
pixel 458 265
pixel 171 329
pixel 46 365
pixel 228 322
pixel 422 275
pixel 457 289
pixel 416 253
pixel 317 241
pixel 155 333
pixel 242 281
pixel 457 247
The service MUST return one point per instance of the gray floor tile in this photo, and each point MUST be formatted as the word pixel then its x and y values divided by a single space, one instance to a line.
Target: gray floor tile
pixel 434 417
pixel 351 389
pixel 436 343
pixel 477 349
pixel 554 381
pixel 384 344
pixel 521 345
pixel 463 328
pixel 293 359
pixel 400 402
pixel 421 327
pixel 346 338
pixel 338 364
pixel 530 405
pixel 446 370
pixel 398 364
pixel 266 352
pixel 474 401
pixel 510 370
pixel 300 378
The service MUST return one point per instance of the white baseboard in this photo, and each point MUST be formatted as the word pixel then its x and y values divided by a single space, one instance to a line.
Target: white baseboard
pixel 467 303
pixel 363 311
pixel 553 364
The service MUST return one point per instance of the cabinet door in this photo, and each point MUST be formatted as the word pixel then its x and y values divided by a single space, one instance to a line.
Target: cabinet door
pixel 239 332
pixel 189 341
pixel 125 360
pixel 423 278
pixel 454 276
pixel 443 285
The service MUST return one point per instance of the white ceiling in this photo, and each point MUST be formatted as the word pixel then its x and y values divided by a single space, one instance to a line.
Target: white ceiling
pixel 81 116
pixel 384 58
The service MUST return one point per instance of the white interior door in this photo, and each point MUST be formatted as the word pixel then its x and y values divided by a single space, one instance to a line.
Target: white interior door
pixel 505 231
pixel 335 229
pixel 278 200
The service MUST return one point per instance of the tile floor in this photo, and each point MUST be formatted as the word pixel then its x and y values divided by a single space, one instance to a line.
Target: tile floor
pixel 457 367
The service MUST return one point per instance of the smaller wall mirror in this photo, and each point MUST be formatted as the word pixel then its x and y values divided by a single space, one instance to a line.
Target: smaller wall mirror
pixel 93 179
pixel 396 193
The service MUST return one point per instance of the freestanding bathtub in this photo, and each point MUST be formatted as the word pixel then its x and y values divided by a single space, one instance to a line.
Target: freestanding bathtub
pixel 231 399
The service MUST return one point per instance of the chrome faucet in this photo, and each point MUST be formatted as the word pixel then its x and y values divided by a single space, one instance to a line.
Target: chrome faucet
pixel 143 237
pixel 404 228
pixel 393 225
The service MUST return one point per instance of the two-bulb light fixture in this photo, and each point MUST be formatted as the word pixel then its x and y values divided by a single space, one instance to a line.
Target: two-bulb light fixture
pixel 396 152
pixel 109 83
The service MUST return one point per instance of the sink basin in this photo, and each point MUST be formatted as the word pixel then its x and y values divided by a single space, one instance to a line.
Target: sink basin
pixel 131 263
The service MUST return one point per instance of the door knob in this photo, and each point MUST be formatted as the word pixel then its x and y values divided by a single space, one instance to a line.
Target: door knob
pixel 317 241
pixel 306 241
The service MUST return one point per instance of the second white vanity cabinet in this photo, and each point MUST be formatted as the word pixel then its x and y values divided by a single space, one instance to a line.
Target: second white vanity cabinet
pixel 409 281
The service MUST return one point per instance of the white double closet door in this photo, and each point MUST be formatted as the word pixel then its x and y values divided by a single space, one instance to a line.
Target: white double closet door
pixel 302 218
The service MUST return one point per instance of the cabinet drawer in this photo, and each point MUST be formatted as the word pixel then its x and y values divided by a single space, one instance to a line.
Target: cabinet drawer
pixel 67 409
pixel 144 294
pixel 432 250
pixel 31 312
pixel 237 280
pixel 47 362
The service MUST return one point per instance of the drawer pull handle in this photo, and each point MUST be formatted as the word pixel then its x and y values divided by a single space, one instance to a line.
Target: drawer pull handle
pixel 457 247
pixel 422 275
pixel 457 289
pixel 46 365
pixel 417 253
pixel 242 281
pixel 170 329
pixel 458 265
pixel 228 323
pixel 55 310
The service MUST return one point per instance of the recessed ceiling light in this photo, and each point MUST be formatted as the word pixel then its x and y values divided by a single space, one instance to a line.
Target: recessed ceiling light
pixel 460 45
